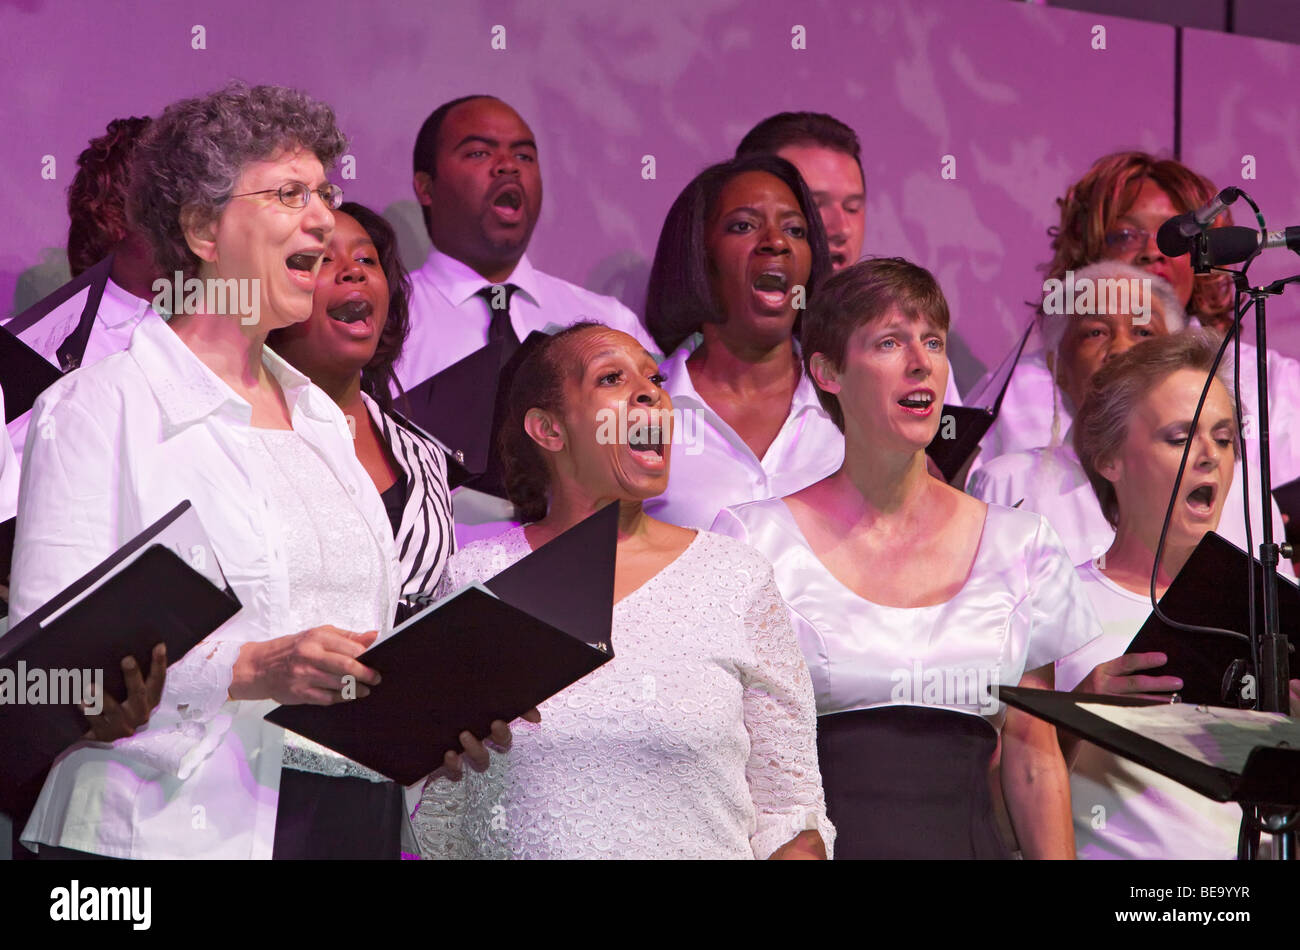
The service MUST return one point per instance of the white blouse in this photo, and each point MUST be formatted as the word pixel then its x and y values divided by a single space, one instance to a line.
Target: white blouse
pixel 114 447
pixel 1122 809
pixel 1021 608
pixel 712 467
pixel 697 740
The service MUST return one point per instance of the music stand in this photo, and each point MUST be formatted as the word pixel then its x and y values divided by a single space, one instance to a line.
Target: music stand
pixel 1266 777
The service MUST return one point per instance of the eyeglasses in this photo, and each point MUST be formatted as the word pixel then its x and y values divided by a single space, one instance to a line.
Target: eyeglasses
pixel 294 194
pixel 1126 240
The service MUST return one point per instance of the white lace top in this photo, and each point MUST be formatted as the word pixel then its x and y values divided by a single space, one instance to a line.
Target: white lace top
pixel 336 571
pixel 698 740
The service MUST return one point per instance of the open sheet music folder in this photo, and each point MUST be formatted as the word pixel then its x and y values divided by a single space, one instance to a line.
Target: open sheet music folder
pixel 1224 754
pixel 488 651
pixel 164 586
pixel 1210 591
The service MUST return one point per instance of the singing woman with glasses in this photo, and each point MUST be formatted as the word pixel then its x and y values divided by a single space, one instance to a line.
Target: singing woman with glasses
pixel 230 190
pixel 1112 213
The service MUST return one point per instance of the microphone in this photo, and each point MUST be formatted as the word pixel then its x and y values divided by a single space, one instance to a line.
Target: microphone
pixel 1176 235
pixel 1233 245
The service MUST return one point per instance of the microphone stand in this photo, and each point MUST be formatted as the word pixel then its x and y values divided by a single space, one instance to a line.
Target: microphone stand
pixel 1269 647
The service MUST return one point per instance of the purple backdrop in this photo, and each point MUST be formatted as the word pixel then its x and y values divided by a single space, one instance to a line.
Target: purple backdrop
pixel 1015 93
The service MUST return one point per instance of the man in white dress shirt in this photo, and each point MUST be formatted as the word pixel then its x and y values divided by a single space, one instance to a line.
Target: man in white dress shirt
pixel 480 185
pixel 97 228
pixel 828 155
pixel 478 179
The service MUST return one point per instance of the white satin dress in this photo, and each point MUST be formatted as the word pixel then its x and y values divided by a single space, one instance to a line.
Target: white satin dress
pixel 909 778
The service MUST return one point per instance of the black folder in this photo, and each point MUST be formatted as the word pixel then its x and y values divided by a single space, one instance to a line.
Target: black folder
pixel 1210 591
pixel 962 428
pixel 146 593
pixel 485 653
pixel 1268 777
pixel 24 374
pixel 463 408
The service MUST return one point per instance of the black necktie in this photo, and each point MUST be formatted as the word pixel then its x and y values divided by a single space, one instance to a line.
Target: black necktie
pixel 497 297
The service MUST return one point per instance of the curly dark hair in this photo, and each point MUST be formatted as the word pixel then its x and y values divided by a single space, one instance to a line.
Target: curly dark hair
pixel 190 158
pixel 537 383
pixel 377 378
pixel 679 298
pixel 97 196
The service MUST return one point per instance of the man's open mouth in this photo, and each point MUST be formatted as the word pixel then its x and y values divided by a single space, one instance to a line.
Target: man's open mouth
pixel 510 199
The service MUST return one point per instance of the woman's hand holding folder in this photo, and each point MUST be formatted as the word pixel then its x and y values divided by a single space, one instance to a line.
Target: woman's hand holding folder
pixel 316 666
pixel 119 720
pixel 477 752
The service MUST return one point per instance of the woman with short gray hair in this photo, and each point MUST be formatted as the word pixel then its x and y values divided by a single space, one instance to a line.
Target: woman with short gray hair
pixel 1117 314
pixel 231 190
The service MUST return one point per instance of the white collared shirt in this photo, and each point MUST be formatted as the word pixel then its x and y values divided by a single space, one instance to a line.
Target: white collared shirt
pixel 120 312
pixel 449 322
pixel 711 467
pixel 114 447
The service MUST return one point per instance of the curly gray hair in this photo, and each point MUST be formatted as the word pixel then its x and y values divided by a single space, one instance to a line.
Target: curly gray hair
pixel 191 157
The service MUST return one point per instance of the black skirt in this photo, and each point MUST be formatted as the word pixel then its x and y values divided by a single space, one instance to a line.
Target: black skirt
pixel 321 817
pixel 909 782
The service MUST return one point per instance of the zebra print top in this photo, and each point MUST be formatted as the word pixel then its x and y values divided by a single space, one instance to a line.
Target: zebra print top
pixel 425 539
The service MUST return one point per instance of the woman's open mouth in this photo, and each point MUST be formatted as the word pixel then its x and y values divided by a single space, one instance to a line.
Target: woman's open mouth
pixel 1200 500
pixel 351 311
pixel 646 443
pixel 772 288
pixel 919 402
pixel 302 268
